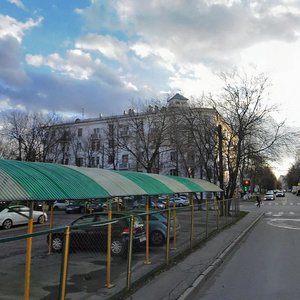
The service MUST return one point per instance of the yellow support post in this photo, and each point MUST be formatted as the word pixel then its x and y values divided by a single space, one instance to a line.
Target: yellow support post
pixel 65 264
pixel 168 231
pixel 50 227
pixel 129 263
pixel 108 261
pixel 192 221
pixel 147 261
pixel 206 218
pixel 217 211
pixel 174 226
pixel 28 255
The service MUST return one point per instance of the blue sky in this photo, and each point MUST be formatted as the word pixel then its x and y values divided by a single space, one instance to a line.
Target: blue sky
pixel 100 56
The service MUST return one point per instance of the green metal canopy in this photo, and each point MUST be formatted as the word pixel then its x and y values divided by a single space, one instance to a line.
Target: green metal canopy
pixel 43 181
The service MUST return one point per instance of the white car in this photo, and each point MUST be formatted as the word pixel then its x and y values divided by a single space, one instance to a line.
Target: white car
pixel 17 214
pixel 60 205
pixel 270 195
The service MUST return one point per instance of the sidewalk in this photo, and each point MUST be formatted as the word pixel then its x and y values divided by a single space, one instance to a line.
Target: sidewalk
pixel 180 281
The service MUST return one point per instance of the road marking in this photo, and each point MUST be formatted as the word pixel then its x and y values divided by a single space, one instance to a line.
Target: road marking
pixel 292 213
pixel 291 203
pixel 279 214
pixel 276 203
pixel 285 223
pixel 269 213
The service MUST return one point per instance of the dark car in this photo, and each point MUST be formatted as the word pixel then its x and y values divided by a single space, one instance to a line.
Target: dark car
pixel 75 208
pixel 90 232
pixel 158 226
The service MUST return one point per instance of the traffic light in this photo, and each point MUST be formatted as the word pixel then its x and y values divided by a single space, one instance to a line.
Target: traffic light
pixel 246 185
pixel 246 182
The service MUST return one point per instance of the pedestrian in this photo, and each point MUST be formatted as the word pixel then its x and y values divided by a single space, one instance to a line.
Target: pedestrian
pixel 258 201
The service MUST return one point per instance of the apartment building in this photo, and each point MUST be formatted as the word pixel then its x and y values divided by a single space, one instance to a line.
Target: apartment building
pixel 175 139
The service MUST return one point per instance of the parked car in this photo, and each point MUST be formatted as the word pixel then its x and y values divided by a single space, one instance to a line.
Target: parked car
pixel 93 236
pixel 180 201
pixel 270 195
pixel 18 214
pixel 94 206
pixel 116 204
pixel 280 194
pixel 60 205
pixel 154 203
pixel 158 226
pixel 75 208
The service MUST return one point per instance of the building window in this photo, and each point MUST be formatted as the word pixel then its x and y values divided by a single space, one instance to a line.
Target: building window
pixel 79 162
pixel 79 132
pixel 173 156
pixel 124 158
pixel 97 160
pixel 110 129
pixel 111 143
pixel 173 172
pixel 110 159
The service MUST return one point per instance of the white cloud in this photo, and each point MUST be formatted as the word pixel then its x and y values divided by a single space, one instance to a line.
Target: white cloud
pixel 108 46
pixel 10 27
pixel 18 3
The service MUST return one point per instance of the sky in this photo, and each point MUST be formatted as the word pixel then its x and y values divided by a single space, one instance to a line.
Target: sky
pixel 86 57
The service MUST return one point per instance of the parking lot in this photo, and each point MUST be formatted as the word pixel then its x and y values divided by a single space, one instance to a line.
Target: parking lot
pixel 87 269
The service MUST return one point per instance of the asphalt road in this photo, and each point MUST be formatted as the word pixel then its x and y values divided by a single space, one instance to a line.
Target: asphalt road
pixel 266 265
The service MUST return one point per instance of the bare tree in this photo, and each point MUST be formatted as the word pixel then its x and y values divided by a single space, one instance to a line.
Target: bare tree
pixel 144 135
pixel 28 134
pixel 252 130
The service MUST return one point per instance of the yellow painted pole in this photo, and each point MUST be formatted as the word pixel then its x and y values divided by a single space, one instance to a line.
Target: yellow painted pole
pixel 50 227
pixel 147 261
pixel 217 211
pixel 129 263
pixel 108 261
pixel 174 225
pixel 65 264
pixel 168 231
pixel 28 254
pixel 206 218
pixel 192 221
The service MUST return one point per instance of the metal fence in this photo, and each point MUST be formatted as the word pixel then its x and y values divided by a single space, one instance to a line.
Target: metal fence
pixel 73 262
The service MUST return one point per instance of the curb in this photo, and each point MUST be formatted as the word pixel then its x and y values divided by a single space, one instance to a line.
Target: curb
pixel 219 259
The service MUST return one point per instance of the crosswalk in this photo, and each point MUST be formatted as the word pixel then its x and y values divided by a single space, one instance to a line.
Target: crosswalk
pixel 278 204
pixel 279 214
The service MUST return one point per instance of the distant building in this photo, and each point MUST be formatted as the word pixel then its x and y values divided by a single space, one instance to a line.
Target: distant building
pixel 175 139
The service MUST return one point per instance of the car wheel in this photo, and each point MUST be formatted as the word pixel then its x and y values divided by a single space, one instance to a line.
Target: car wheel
pixel 57 244
pixel 117 247
pixel 180 204
pixel 41 219
pixel 7 224
pixel 157 238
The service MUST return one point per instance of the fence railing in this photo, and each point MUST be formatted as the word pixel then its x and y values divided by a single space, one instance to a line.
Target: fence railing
pixel 105 254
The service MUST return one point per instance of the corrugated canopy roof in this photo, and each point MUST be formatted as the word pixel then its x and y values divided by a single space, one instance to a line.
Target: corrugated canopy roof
pixel 43 181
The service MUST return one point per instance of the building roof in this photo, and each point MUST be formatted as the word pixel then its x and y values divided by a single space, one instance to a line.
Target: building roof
pixel 177 96
pixel 21 180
